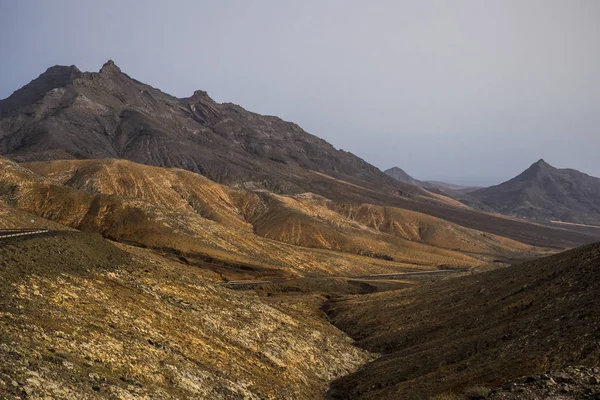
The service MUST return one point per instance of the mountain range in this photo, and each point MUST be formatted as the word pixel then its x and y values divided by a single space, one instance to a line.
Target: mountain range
pixel 182 248
pixel 69 114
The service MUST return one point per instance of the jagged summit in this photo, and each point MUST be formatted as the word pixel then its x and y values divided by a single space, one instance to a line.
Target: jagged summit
pixel 200 94
pixel 54 77
pixel 61 69
pixel 110 67
pixel 537 168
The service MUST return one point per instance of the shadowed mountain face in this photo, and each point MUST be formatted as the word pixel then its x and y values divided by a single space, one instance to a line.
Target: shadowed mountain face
pixel 482 329
pixel 546 193
pixel 66 113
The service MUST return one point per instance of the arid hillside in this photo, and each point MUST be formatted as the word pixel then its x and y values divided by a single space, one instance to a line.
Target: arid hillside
pixel 11 218
pixel 478 330
pixel 185 234
pixel 83 319
pixel 377 239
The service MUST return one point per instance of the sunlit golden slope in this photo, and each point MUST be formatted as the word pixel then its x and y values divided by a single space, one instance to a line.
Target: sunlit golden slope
pixel 418 227
pixel 312 221
pixel 304 220
pixel 13 218
pixel 138 221
pixel 172 189
pixel 307 223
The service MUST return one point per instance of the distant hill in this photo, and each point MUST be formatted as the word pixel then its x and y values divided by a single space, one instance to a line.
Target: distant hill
pixel 401 176
pixel 451 186
pixel 436 186
pixel 546 193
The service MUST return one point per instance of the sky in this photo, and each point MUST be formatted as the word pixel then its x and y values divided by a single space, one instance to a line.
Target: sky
pixel 465 91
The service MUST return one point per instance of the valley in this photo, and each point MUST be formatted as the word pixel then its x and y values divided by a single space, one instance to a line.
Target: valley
pixel 171 248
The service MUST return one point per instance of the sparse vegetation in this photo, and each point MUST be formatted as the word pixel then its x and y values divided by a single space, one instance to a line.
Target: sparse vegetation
pixel 476 392
pixel 488 327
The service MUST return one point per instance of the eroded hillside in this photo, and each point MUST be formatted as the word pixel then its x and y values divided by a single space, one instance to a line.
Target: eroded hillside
pixel 383 238
pixel 477 330
pixel 83 319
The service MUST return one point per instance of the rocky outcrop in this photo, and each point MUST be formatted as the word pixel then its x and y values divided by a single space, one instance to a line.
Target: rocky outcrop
pixel 568 383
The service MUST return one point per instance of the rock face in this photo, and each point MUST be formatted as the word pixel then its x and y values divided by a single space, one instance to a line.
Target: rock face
pixel 568 383
pixel 66 113
pixel 547 193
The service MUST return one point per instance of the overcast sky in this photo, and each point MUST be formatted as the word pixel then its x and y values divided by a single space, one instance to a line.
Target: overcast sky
pixel 469 92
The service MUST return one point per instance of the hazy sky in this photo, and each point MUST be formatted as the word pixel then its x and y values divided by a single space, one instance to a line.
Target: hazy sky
pixel 469 92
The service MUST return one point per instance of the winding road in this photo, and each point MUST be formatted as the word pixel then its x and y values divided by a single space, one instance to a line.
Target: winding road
pixel 8 233
pixel 362 277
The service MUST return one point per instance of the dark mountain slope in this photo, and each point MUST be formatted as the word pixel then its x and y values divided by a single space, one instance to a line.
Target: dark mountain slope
pixel 69 114
pixel 546 193
pixel 482 329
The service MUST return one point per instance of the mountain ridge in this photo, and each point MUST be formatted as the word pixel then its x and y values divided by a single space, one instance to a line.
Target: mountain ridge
pixel 66 113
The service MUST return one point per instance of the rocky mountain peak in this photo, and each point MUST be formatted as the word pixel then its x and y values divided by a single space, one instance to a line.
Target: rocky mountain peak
pixel 61 70
pixel 541 163
pixel 539 167
pixel 200 93
pixel 110 67
pixel 54 77
pixel 124 116
pixel 546 193
pixel 201 96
